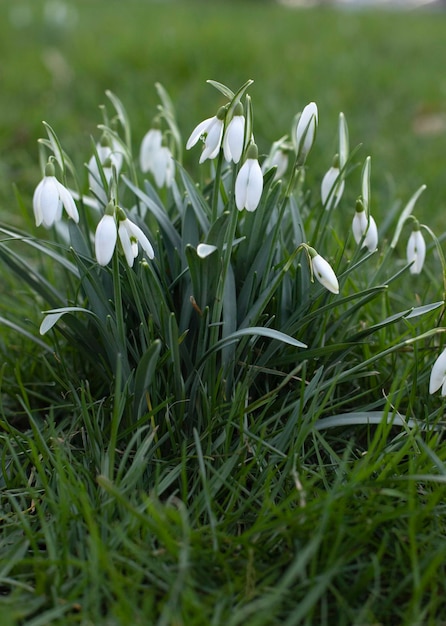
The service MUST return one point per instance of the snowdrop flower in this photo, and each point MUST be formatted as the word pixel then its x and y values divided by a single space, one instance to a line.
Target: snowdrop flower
pixel 163 169
pixel 130 235
pixel 234 136
pixel 364 229
pixel 106 236
pixel 416 250
pixel 49 198
pixel 150 145
pixel 249 182
pixel 109 157
pixel 306 130
pixel 332 186
pixel 211 132
pixel 156 158
pixel 278 157
pixel 323 271
pixel 438 375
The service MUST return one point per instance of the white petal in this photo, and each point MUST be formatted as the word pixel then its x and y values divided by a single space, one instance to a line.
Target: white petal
pixel 68 202
pixel 212 143
pixel 105 239
pixel 233 139
pixel 205 249
pixel 49 201
pixel 371 238
pixel 438 373
pixel 143 241
pixel 161 166
pixel 127 246
pixel 325 274
pixel 361 227
pixel 198 132
pixel 332 188
pixel 306 129
pixel 150 145
pixel 416 251
pixel 37 208
pixel 241 185
pixel 255 185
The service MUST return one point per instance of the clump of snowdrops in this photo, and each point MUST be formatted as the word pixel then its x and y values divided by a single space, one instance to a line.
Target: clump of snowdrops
pixel 243 295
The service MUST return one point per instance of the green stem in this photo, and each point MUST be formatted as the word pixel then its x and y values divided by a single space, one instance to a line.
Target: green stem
pixel 216 192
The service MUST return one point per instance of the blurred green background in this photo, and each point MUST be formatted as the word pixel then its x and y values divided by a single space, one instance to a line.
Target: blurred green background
pixel 385 70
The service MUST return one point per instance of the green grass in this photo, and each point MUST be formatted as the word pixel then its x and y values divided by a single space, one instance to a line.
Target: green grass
pixel 204 503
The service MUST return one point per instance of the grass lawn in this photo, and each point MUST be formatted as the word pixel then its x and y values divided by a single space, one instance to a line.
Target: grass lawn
pixel 146 478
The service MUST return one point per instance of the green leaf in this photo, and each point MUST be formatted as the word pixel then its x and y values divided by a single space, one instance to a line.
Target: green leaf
pixel 53 316
pixel 405 214
pixel 255 331
pixel 144 376
pixel 222 88
pixel 361 418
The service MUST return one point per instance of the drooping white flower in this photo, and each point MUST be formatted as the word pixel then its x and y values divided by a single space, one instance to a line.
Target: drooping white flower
pixel 49 198
pixel 234 136
pixel 416 250
pixel 150 145
pixel 156 158
pixel 109 156
pixel 438 375
pixel 323 272
pixel 332 186
pixel 306 130
pixel 278 157
pixel 364 228
pixel 249 182
pixel 164 167
pixel 210 131
pixel 130 235
pixel 106 236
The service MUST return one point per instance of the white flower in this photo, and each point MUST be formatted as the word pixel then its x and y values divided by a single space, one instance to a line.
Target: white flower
pixel 130 235
pixel 332 187
pixel 156 158
pixel 277 158
pixel 306 130
pixel 234 136
pixel 438 375
pixel 150 145
pixel 109 157
pixel 163 168
pixel 324 272
pixel 49 198
pixel 249 182
pixel 364 229
pixel 211 131
pixel 105 238
pixel 416 251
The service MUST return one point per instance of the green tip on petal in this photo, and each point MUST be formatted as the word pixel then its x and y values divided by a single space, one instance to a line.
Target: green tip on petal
pixel 359 205
pixel 221 113
pixel 238 109
pixel 120 214
pixel 50 169
pixel 110 209
pixel 252 151
pixel 312 252
pixel 336 161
